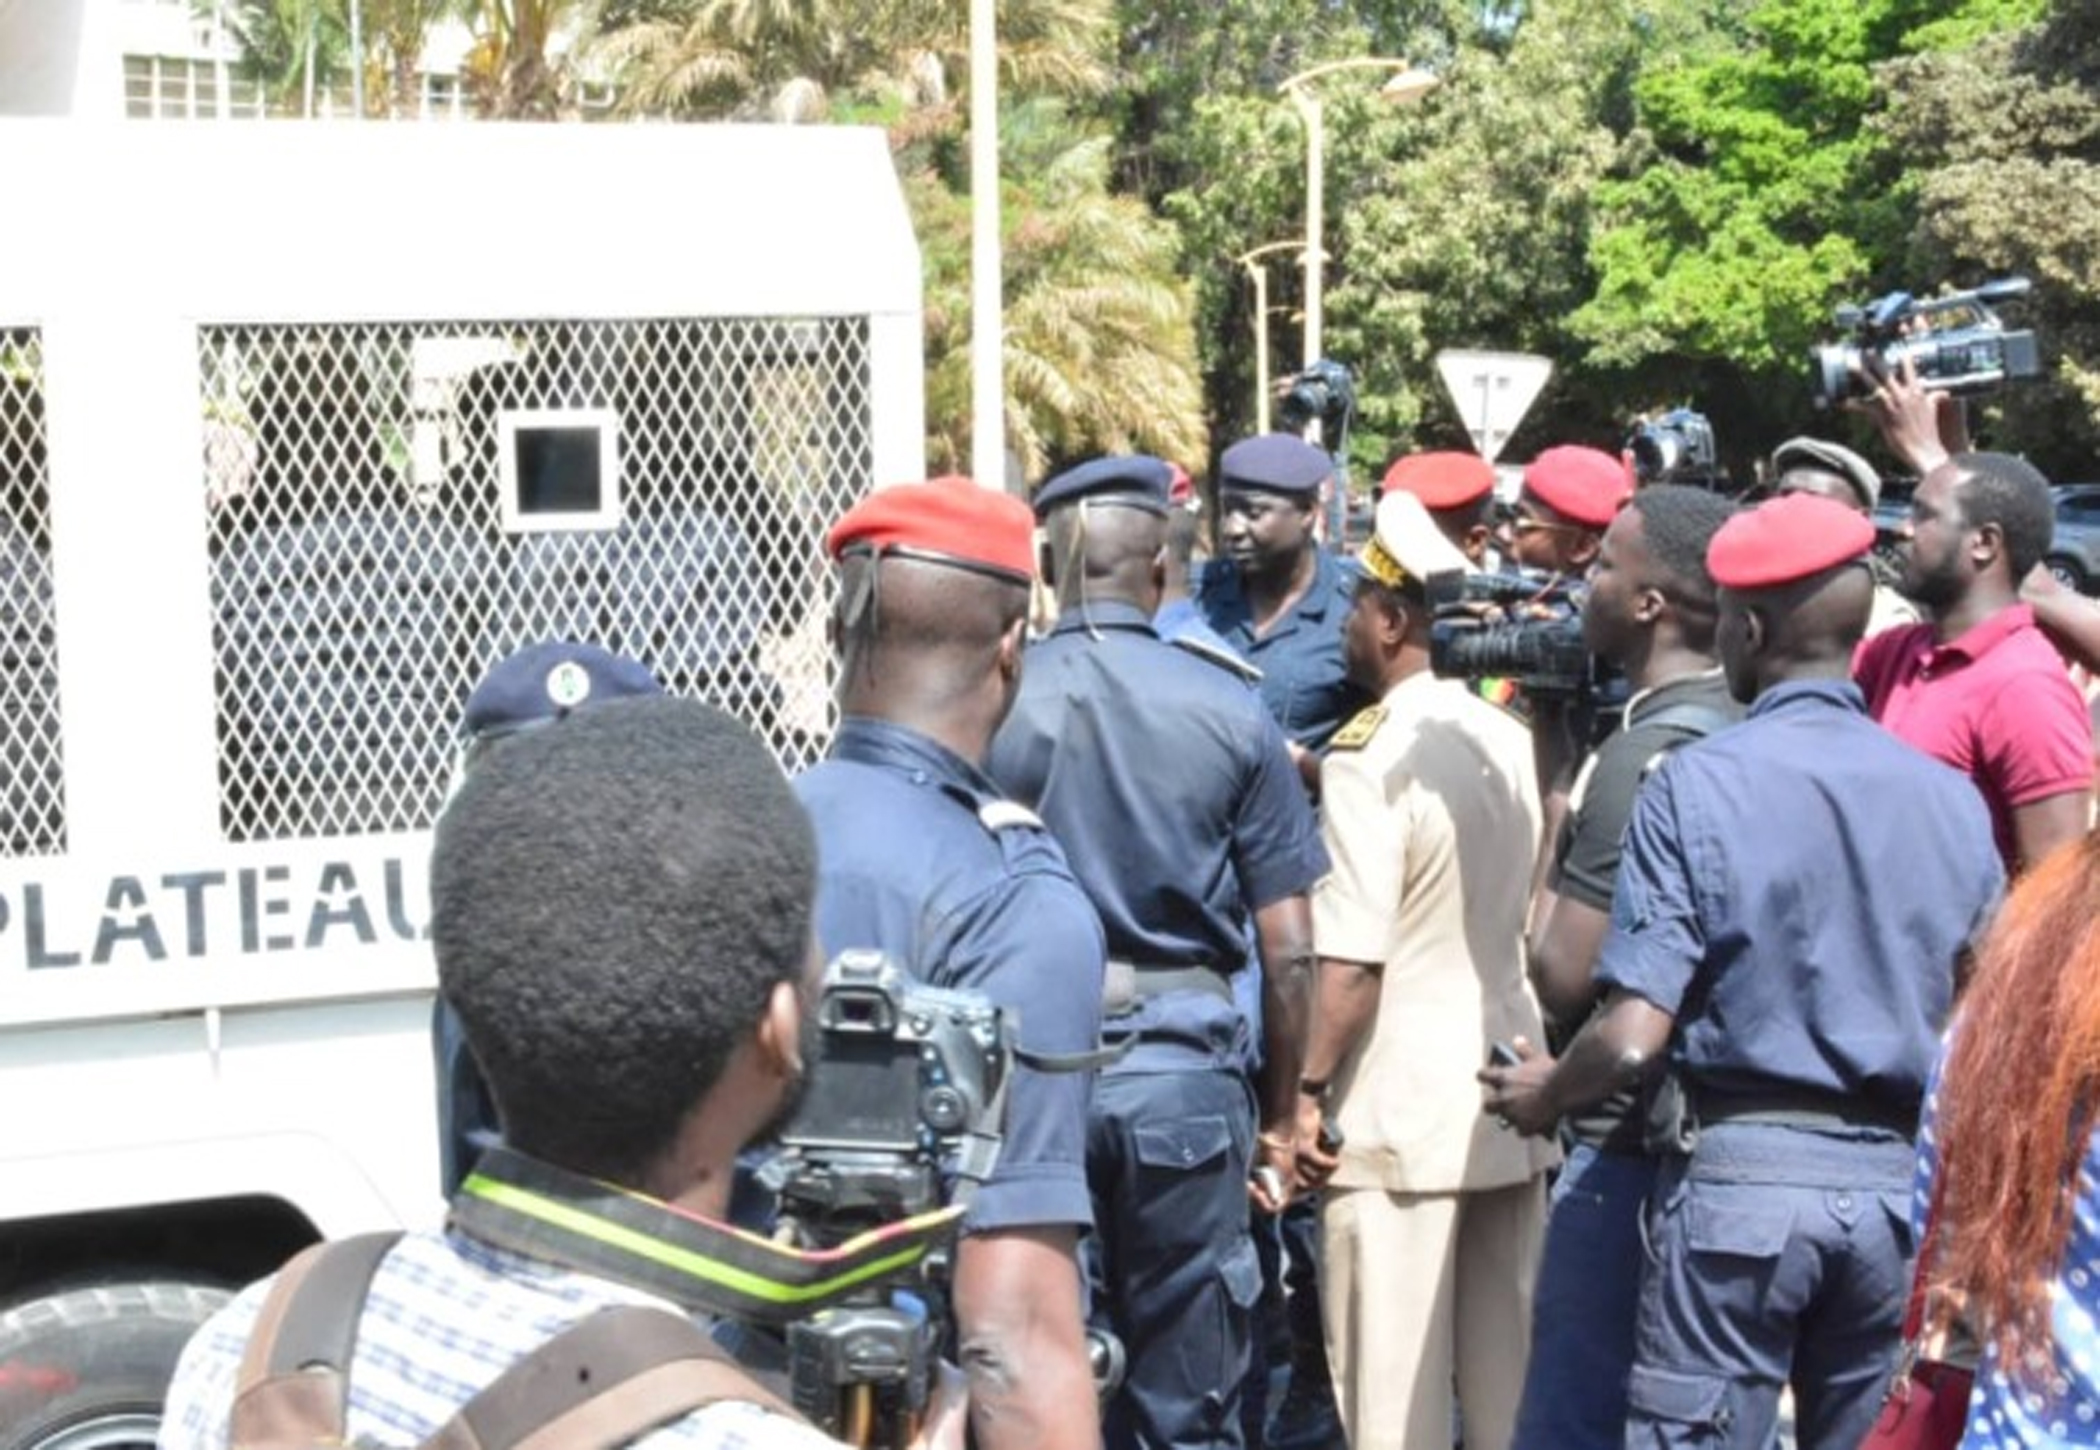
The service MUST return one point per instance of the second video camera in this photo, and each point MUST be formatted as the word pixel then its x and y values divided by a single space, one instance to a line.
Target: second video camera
pixel 1955 343
pixel 1531 635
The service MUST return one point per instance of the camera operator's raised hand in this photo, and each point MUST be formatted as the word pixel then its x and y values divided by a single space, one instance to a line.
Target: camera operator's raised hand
pixel 1923 427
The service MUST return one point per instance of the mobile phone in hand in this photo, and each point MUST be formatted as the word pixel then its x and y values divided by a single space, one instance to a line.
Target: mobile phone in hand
pixel 1501 1054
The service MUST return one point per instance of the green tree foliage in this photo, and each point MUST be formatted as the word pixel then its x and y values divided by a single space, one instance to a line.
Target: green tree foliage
pixel 1756 194
pixel 1099 355
pixel 1475 233
pixel 2001 143
pixel 1099 348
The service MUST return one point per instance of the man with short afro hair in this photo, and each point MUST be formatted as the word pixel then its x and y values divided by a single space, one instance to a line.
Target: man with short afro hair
pixel 555 943
pixel 620 909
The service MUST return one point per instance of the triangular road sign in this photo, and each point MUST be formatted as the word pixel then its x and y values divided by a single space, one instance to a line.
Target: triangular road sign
pixel 1493 391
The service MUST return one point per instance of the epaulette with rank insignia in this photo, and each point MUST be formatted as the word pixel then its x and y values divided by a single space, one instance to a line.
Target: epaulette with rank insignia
pixel 1003 815
pixel 1358 732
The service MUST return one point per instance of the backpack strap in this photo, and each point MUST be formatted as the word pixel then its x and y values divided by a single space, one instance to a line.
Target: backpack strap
pixel 1690 718
pixel 1689 721
pixel 294 1376
pixel 603 1382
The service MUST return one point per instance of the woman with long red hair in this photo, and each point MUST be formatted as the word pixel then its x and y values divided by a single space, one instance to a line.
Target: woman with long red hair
pixel 2014 1154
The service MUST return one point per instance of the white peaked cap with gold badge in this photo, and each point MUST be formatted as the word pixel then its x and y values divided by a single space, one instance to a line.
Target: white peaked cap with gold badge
pixel 1406 544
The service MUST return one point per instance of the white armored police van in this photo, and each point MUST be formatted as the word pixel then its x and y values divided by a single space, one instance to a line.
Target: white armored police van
pixel 302 426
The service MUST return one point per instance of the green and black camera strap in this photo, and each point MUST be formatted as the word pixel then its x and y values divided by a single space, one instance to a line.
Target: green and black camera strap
pixel 534 1208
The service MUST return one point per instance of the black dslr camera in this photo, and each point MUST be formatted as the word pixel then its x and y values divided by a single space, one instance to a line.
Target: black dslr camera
pixel 1324 393
pixel 907 1089
pixel 1956 343
pixel 1541 649
pixel 1677 447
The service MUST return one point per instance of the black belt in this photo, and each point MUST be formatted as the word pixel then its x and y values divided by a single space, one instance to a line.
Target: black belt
pixel 1803 1108
pixel 1125 984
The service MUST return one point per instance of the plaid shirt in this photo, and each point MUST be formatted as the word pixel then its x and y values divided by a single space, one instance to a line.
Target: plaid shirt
pixel 446 1315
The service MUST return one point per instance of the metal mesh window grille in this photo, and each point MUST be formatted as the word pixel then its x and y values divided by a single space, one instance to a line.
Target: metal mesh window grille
pixel 362 578
pixel 33 800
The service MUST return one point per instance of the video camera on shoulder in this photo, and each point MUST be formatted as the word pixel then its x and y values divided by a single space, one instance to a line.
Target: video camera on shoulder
pixel 1956 343
pixel 906 1094
pixel 1509 626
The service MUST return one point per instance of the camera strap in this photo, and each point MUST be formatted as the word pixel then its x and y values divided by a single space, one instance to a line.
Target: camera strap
pixel 534 1208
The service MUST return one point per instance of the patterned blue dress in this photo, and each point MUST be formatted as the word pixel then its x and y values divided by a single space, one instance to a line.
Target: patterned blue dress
pixel 2051 1398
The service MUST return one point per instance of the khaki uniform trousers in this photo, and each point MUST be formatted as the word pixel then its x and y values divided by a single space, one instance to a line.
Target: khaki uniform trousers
pixel 1422 1290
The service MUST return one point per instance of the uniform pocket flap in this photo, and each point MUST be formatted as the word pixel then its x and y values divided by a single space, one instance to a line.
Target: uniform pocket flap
pixel 1240 1271
pixel 1676 1399
pixel 1185 1143
pixel 1747 1230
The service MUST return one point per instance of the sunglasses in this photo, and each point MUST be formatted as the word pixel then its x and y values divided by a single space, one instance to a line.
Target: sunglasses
pixel 1519 521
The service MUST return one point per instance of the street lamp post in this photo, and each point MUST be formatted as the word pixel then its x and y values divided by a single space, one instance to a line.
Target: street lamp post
pixel 1408 83
pixel 1258 273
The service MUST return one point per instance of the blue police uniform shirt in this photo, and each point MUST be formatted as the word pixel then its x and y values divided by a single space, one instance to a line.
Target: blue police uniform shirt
pixel 1176 802
pixel 1303 680
pixel 1795 891
pixel 921 856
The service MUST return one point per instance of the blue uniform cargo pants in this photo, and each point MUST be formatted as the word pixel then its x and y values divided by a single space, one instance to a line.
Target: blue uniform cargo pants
pixel 1779 1255
pixel 1583 1310
pixel 1170 1263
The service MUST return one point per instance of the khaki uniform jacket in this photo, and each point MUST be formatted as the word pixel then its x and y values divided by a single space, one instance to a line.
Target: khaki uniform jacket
pixel 1430 809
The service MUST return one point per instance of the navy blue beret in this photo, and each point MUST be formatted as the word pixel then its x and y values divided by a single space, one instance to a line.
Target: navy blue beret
pixel 1136 479
pixel 545 681
pixel 1276 462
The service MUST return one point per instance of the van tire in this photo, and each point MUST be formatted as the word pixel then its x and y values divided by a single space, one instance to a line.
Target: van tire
pixel 87 1368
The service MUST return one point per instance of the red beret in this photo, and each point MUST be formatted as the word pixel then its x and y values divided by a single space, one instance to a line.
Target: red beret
pixel 1442 480
pixel 1582 485
pixel 1786 539
pixel 946 520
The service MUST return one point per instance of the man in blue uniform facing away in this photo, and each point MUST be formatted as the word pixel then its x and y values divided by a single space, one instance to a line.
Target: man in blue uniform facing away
pixel 921 856
pixel 1174 797
pixel 1793 899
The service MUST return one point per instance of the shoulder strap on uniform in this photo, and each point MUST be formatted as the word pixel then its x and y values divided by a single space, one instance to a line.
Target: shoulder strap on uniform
pixel 294 1376
pixel 1359 730
pixel 1003 815
pixel 1211 654
pixel 607 1380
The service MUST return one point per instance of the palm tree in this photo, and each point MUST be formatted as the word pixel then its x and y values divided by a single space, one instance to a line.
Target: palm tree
pixel 1099 352
pixel 711 58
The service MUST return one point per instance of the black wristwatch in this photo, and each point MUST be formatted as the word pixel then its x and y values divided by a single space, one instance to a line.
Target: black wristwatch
pixel 1313 1087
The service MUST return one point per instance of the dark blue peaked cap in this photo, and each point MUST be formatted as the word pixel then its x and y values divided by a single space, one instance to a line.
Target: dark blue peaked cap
pixel 545 681
pixel 1134 479
pixel 1277 462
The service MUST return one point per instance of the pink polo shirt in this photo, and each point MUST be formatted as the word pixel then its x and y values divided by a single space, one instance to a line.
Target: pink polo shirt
pixel 1996 704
